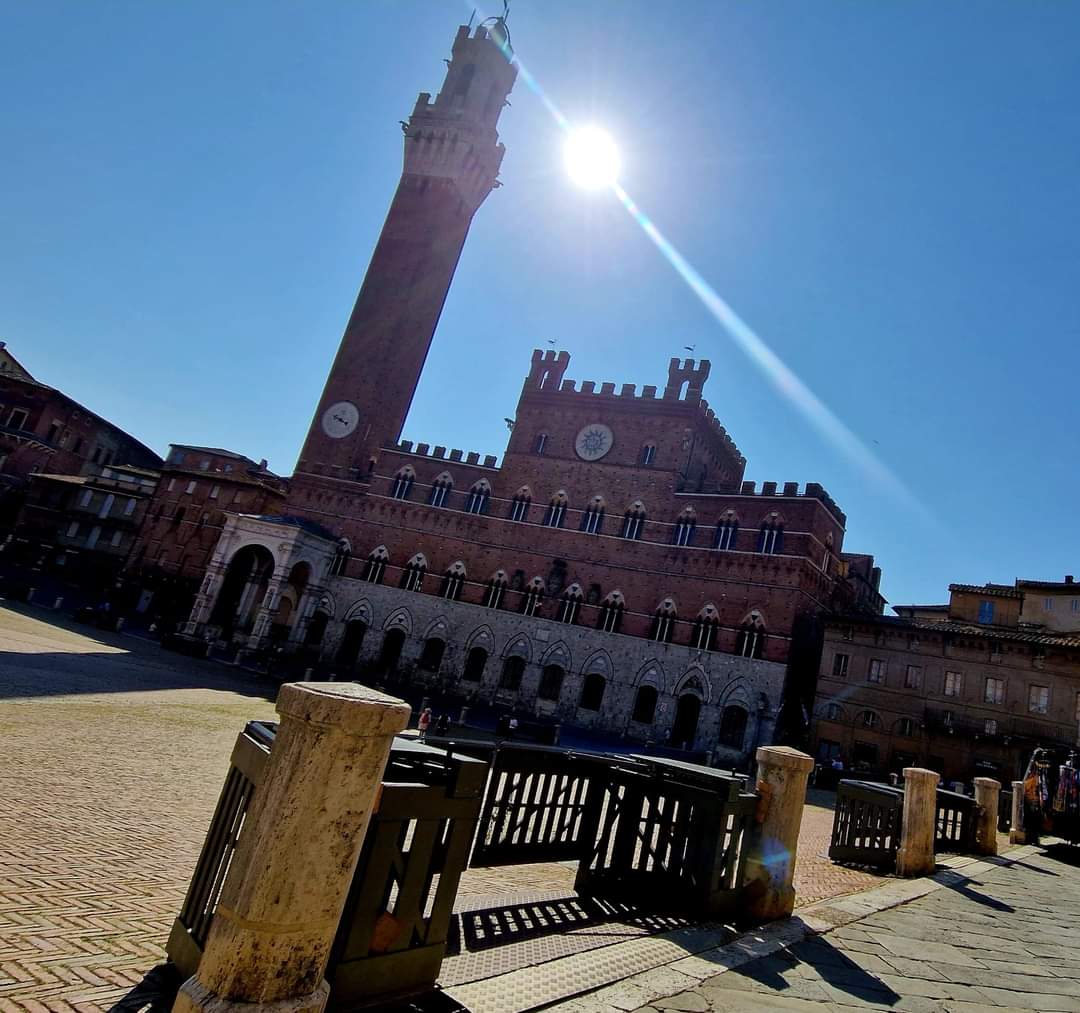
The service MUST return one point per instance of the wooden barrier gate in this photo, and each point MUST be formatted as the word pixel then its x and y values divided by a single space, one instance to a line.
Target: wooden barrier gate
pixel 658 833
pixel 869 819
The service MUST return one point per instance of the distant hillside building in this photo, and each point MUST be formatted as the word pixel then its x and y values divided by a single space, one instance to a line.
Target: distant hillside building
pixel 966 688
pixel 614 571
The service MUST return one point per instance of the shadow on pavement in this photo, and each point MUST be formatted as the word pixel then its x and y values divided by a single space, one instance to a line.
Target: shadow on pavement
pixel 157 992
pixel 831 965
pixel 154 994
pixel 500 926
pixel 985 900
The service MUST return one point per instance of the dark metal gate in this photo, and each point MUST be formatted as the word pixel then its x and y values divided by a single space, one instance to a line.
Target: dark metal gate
pixel 866 825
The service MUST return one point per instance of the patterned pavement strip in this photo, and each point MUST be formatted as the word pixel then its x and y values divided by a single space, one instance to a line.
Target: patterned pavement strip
pixel 115 755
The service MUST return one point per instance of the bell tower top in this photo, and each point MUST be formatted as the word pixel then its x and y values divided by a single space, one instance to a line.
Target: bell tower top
pixel 454 137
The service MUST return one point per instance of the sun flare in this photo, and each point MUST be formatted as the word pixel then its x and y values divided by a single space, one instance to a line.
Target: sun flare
pixel 591 157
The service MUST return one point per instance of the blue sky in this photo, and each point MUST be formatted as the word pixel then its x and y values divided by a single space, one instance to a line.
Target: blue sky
pixel 888 193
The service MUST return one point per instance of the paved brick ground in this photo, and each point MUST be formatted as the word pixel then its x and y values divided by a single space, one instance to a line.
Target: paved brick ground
pixel 1005 941
pixel 114 756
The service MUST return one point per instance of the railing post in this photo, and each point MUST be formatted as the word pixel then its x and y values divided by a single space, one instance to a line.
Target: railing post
pixel 770 865
pixel 1016 822
pixel 987 791
pixel 915 856
pixel 281 903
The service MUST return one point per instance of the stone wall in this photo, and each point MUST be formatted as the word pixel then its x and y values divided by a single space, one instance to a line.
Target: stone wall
pixel 625 662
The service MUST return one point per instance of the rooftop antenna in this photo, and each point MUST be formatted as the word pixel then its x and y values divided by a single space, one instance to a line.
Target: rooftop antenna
pixel 472 18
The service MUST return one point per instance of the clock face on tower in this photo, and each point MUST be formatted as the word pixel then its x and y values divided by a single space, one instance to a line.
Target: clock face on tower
pixel 340 419
pixel 593 442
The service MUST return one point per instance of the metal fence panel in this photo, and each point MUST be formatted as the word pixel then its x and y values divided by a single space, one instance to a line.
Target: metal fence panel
pixel 867 823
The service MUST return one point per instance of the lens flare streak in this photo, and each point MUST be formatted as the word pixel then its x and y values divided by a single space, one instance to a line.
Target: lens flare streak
pixel 820 416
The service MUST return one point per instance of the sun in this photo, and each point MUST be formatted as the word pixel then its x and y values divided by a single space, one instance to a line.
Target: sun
pixel 591 157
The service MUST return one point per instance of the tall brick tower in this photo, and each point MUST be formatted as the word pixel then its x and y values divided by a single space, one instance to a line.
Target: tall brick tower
pixel 452 159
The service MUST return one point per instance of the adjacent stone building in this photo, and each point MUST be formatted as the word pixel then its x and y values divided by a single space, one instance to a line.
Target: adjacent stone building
pixel 967 688
pixel 613 570
pixel 185 518
pixel 75 532
pixel 42 430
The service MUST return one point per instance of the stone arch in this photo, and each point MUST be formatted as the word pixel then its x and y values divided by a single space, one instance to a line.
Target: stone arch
pixel 519 646
pixel 444 478
pixel 774 517
pixel 481 637
pixel 436 628
pixel 736 693
pixel 694 680
pixel 327 603
pixel 600 663
pixel 400 619
pixel 652 674
pixel 359 610
pixel 418 561
pixel 557 654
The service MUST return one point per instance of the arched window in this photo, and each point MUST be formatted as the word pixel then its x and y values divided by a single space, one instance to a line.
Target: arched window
pixel 474 665
pixel 390 653
pixel 633 521
pixel 727 532
pixel 733 727
pixel 834 712
pixel 703 635
pixel 403 483
pixel 592 519
pixel 513 670
pixel 412 577
pixel 771 536
pixel 868 719
pixel 342 553
pixel 570 605
pixel 519 505
pixel 440 490
pixel 906 726
pixel 375 566
pixel 479 495
pixel 685 526
pixel 349 649
pixel 592 692
pixel 533 596
pixel 663 625
pixel 556 511
pixel 453 582
pixel 496 588
pixel 644 705
pixel 611 613
pixel 750 642
pixel 648 454
pixel 432 654
pixel 551 680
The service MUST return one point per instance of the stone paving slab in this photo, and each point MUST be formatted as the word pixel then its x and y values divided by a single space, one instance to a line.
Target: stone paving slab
pixel 994 934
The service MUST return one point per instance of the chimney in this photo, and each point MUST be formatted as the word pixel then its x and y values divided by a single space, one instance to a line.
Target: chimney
pixel 1068 578
pixel 262 465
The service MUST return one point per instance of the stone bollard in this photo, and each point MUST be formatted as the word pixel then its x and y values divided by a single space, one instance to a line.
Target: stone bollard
pixel 782 773
pixel 915 856
pixel 987 794
pixel 271 935
pixel 1016 821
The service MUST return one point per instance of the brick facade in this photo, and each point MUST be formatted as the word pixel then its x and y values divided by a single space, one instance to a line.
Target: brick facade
pixel 618 521
pixel 962 696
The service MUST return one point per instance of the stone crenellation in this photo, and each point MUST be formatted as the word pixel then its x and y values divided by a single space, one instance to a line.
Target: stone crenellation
pixel 813 490
pixel 441 454
pixel 548 367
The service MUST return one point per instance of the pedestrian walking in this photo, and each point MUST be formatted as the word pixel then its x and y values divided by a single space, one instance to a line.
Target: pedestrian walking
pixel 424 721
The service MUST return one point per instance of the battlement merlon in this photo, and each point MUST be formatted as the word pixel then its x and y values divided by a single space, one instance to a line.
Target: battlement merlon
pixel 686 371
pixel 813 490
pixel 454 137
